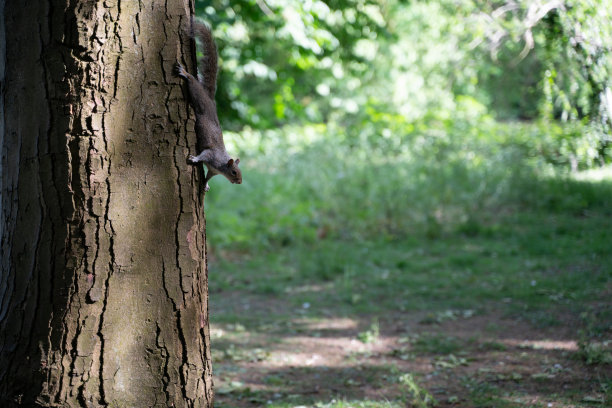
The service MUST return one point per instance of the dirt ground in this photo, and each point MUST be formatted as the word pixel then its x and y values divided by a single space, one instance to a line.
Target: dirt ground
pixel 460 358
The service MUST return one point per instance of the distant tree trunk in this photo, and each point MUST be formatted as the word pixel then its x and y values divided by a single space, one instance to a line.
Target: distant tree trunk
pixel 103 281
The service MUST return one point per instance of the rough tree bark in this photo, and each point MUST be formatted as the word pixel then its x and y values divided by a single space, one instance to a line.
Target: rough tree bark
pixel 103 282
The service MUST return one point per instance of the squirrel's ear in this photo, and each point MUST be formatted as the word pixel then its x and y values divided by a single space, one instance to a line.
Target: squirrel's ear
pixel 237 161
pixel 230 162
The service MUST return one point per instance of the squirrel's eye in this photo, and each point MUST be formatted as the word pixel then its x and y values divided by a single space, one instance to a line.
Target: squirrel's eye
pixel 233 172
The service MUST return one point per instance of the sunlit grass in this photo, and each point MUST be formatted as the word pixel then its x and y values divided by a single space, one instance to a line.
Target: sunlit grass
pixel 451 229
pixel 595 175
pixel 322 182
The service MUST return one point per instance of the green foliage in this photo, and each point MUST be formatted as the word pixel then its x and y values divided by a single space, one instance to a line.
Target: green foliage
pixel 562 51
pixel 274 54
pixel 370 67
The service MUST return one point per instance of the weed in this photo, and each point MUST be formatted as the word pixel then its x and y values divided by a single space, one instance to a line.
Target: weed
pixel 414 393
pixel 449 362
pixel 370 335
pixel 596 352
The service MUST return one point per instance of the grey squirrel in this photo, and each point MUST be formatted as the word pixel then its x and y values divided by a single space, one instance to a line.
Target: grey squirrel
pixel 202 98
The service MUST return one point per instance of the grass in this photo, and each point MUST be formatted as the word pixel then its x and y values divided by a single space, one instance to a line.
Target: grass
pixel 317 236
pixel 534 261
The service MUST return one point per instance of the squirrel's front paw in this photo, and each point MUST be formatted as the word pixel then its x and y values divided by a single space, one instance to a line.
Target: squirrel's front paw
pixel 192 159
pixel 179 70
pixel 206 187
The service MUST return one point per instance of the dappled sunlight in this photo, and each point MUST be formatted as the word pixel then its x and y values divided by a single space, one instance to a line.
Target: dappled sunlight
pixel 570 345
pixel 303 351
pixel 328 324
pixel 551 401
pixel 308 288
pixel 595 175
pixel 448 355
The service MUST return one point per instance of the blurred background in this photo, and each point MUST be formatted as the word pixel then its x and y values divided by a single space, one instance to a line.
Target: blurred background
pixel 427 192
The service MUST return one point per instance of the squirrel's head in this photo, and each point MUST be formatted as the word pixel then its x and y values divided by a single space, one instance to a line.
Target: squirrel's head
pixel 233 173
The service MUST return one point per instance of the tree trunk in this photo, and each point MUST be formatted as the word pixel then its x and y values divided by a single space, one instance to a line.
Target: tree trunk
pixel 103 281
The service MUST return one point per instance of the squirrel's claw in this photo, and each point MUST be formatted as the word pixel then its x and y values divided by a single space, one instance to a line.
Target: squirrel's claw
pixel 179 70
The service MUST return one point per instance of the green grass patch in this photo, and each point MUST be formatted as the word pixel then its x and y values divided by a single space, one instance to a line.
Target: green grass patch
pixel 531 266
pixel 437 344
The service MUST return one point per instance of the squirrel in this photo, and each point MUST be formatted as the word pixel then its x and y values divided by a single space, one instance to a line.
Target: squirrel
pixel 202 98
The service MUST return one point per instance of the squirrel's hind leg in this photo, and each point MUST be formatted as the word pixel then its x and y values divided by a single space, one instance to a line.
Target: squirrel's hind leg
pixel 209 175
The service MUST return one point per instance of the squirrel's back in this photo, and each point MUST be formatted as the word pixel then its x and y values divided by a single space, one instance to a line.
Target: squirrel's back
pixel 209 62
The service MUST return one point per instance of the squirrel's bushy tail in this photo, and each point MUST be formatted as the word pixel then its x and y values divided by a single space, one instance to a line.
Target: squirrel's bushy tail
pixel 208 64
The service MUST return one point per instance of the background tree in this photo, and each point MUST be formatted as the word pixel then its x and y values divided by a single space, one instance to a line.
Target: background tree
pixel 103 284
pixel 343 61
